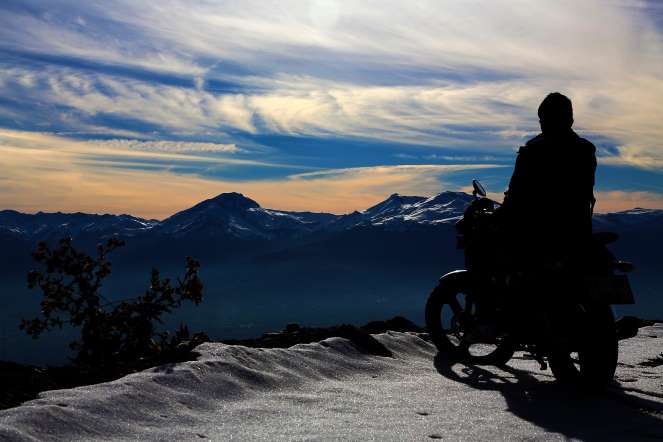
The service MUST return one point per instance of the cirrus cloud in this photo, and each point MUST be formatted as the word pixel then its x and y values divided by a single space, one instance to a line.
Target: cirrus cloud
pixel 461 79
pixel 168 146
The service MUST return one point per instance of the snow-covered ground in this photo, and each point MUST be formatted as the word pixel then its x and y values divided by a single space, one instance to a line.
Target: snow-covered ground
pixel 330 391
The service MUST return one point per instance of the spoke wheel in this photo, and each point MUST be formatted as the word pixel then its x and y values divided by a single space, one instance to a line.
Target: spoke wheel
pixel 452 323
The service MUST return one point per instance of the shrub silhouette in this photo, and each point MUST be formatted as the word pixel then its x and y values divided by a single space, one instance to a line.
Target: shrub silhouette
pixel 115 336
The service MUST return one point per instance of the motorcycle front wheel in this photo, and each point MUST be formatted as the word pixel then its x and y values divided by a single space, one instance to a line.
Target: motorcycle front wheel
pixel 452 323
pixel 590 360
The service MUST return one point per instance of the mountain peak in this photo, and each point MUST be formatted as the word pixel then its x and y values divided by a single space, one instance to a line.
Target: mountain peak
pixel 394 202
pixel 234 200
pixel 403 198
pixel 448 196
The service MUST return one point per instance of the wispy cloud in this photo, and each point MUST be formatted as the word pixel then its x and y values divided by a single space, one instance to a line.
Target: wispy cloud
pixel 46 172
pixel 406 72
pixel 167 146
pixel 51 144
pixel 462 79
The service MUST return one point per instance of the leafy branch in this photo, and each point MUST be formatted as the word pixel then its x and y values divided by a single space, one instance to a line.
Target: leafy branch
pixel 112 333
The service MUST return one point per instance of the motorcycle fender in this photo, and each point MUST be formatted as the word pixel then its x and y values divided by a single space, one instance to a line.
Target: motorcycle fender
pixel 455 275
pixel 611 289
pixel 456 280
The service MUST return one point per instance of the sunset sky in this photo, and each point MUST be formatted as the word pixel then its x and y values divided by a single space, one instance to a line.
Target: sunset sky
pixel 146 108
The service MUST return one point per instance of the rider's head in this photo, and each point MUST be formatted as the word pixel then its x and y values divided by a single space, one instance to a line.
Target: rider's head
pixel 555 113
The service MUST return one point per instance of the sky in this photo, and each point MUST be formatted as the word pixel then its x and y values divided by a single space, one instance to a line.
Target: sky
pixel 130 106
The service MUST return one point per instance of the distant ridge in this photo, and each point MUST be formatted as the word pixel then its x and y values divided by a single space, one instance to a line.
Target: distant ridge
pixel 235 215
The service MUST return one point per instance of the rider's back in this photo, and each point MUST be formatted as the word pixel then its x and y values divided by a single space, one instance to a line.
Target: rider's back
pixel 547 207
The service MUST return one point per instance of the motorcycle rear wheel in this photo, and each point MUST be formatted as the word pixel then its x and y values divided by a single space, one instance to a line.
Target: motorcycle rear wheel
pixel 593 363
pixel 449 316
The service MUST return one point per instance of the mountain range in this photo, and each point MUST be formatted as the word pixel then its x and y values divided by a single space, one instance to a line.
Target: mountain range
pixel 263 268
pixel 234 215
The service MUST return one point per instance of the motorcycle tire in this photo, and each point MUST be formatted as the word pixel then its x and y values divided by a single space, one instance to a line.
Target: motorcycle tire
pixel 594 363
pixel 446 293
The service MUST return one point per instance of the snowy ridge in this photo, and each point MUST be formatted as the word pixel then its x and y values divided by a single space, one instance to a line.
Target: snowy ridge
pixel 44 225
pixel 331 391
pixel 168 402
pixel 236 216
pixel 629 219
pixel 400 212
pixel 446 207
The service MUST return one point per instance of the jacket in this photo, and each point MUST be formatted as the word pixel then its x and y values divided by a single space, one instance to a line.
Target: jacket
pixel 550 197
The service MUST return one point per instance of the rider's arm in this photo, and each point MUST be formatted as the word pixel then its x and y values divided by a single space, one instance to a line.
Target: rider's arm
pixel 514 192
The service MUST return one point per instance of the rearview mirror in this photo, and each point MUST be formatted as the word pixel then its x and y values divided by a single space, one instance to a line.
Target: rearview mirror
pixel 478 188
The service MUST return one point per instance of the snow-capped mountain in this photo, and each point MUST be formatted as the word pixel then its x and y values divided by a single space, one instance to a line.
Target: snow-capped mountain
pixel 400 212
pixel 444 208
pixel 238 216
pixel 234 215
pixel 241 217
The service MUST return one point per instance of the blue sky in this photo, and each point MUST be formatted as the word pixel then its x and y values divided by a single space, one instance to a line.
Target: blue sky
pixel 148 107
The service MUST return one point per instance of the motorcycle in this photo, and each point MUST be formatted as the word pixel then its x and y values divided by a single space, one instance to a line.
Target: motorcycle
pixel 486 312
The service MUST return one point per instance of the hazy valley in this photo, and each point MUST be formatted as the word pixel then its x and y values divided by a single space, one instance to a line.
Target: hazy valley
pixel 264 268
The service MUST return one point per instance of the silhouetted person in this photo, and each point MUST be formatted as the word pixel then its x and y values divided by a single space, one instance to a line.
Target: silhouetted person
pixel 547 209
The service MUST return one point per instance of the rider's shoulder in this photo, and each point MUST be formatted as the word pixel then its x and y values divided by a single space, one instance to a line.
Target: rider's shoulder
pixel 539 139
pixel 587 145
pixel 531 144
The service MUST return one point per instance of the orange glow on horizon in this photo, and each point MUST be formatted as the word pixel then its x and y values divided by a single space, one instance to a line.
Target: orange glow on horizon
pixel 44 172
